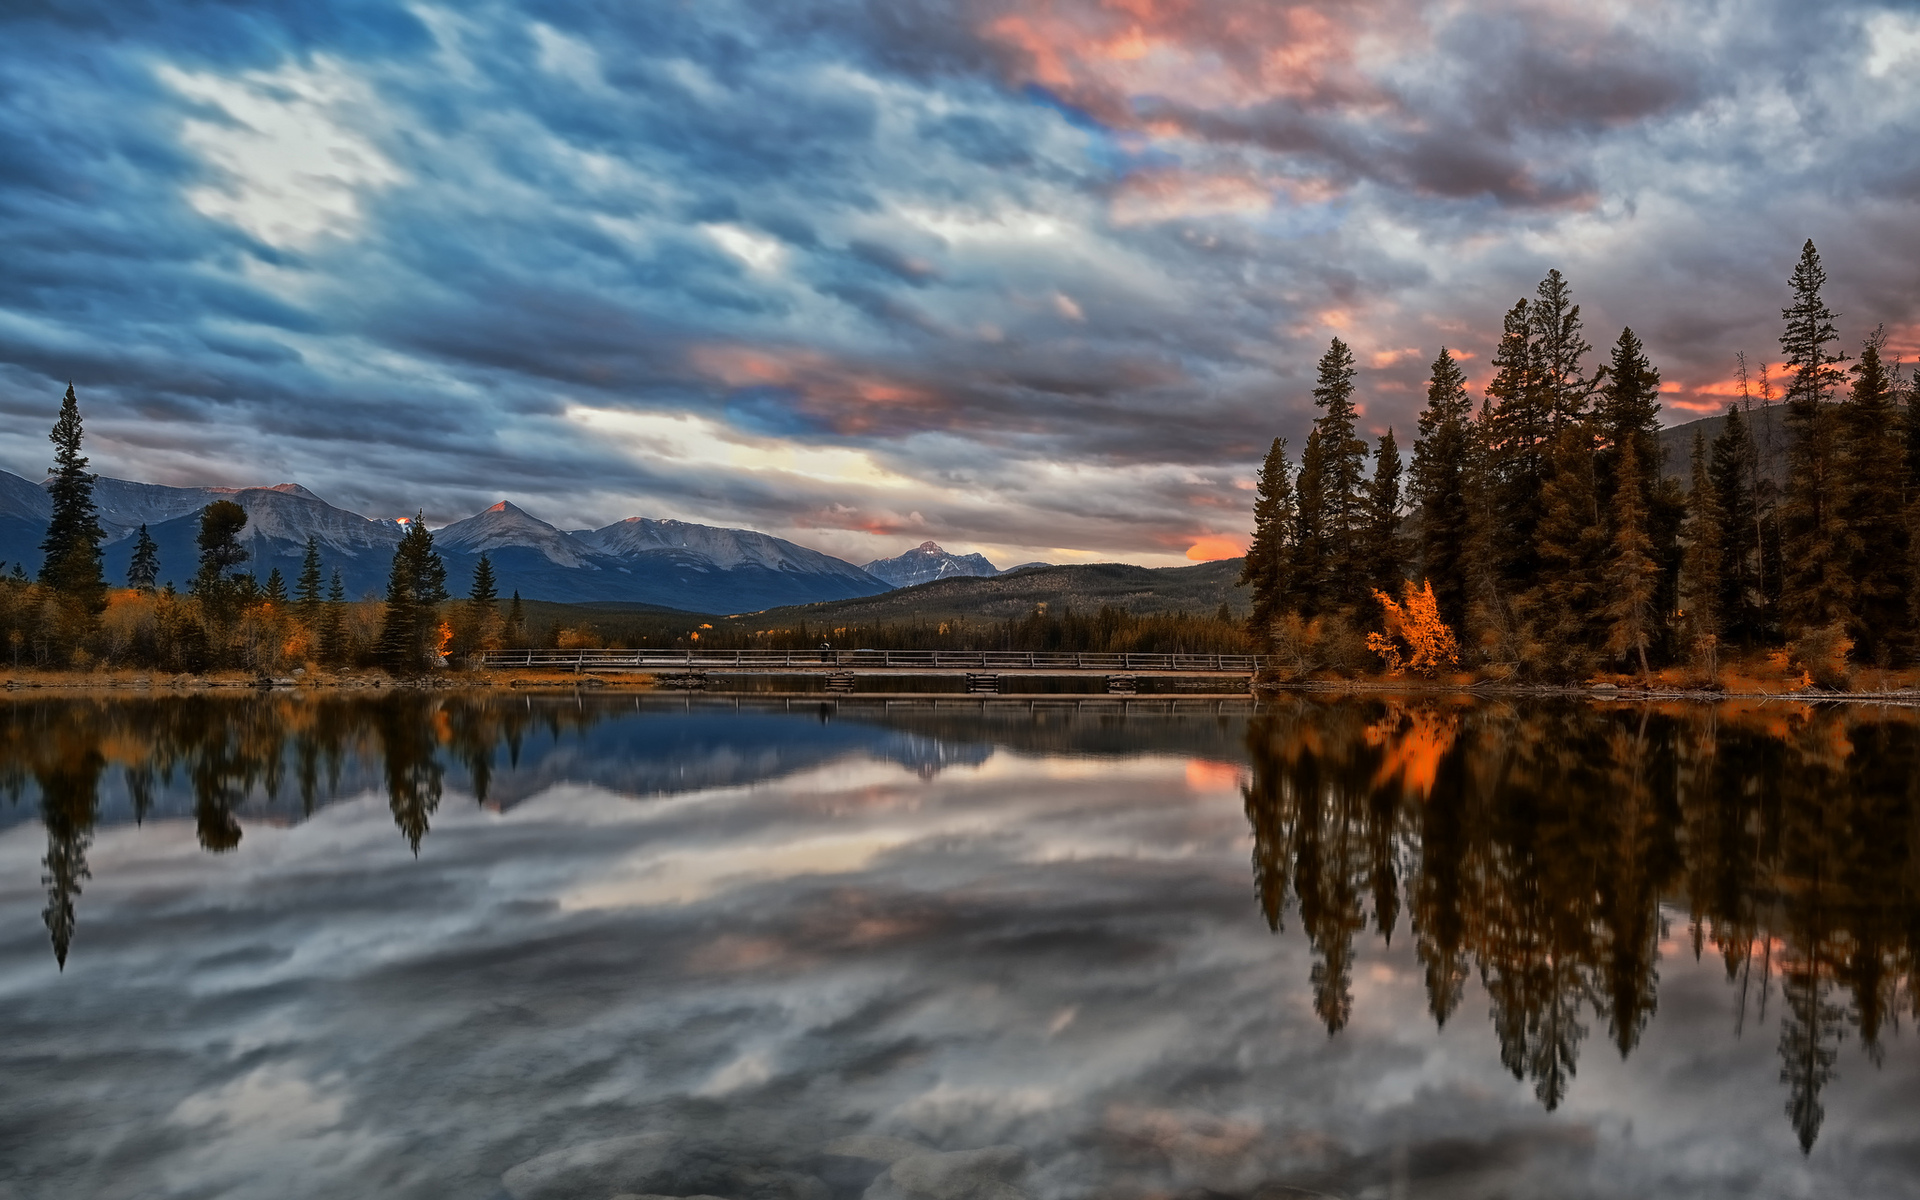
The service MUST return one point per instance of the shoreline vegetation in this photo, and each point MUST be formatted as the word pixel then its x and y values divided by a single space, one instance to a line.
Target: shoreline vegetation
pixel 1538 547
pixel 1541 543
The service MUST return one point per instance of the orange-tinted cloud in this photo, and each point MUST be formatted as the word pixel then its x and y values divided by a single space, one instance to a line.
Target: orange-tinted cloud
pixel 1204 54
pixel 1172 194
pixel 1212 549
pixel 847 399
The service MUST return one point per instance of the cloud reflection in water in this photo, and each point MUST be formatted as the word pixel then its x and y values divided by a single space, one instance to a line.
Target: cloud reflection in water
pixel 965 930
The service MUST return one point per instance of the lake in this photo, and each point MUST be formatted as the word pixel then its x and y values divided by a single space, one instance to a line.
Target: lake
pixel 538 946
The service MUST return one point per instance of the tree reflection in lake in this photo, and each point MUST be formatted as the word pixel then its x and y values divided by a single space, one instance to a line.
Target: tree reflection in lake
pixel 230 751
pixel 220 757
pixel 1546 851
pixel 1537 844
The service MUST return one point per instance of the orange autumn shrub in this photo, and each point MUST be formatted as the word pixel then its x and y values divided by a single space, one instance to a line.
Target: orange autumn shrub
pixel 1415 638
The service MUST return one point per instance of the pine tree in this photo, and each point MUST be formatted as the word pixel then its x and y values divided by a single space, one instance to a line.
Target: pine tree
pixel 1269 557
pixel 306 592
pixel 517 621
pixel 145 566
pixel 1343 478
pixel 219 541
pixel 1490 618
pixel 483 594
pixel 1742 599
pixel 1816 591
pixel 1877 534
pixel 1519 447
pixel 1629 412
pixel 1632 576
pixel 1383 549
pixel 416 586
pixel 333 624
pixel 1440 467
pixel 1559 348
pixel 276 592
pixel 1564 605
pixel 1309 572
pixel 1702 574
pixel 72 564
pixel 1911 423
pixel 1628 415
pixel 482 618
pixel 220 588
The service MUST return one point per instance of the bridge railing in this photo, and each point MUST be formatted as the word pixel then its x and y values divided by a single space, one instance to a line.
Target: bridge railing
pixel 845 660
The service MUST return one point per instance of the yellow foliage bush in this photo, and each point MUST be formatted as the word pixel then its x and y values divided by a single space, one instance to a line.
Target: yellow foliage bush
pixel 1415 639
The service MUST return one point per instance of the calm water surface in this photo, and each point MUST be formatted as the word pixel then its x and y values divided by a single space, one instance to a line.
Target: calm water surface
pixel 420 946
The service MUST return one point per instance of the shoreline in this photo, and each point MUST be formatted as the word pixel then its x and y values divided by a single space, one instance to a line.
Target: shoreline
pixel 567 681
pixel 1907 696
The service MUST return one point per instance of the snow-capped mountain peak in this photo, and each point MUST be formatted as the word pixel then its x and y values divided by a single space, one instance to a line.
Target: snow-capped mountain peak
pixel 928 562
pixel 507 525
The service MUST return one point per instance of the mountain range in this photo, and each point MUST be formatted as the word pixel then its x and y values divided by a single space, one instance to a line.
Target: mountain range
pixel 666 564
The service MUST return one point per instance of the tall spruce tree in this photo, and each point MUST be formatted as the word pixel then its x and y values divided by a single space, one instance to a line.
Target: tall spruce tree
pixel 1519 449
pixel 1627 415
pixel 1491 625
pixel 72 565
pixel 333 624
pixel 416 586
pixel 517 620
pixel 1703 570
pixel 1877 531
pixel 1628 412
pixel 1384 551
pixel 144 567
pixel 1564 605
pixel 1742 599
pixel 483 593
pixel 307 595
pixel 1268 563
pixel 1632 575
pixel 1816 591
pixel 1910 416
pixel 483 597
pixel 1310 572
pixel 1441 462
pixel 1343 478
pixel 1559 347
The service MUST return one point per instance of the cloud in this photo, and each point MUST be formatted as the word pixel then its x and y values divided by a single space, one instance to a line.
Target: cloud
pixel 1065 267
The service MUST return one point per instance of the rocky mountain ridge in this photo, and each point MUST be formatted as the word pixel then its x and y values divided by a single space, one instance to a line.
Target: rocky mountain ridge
pixel 927 563
pixel 673 564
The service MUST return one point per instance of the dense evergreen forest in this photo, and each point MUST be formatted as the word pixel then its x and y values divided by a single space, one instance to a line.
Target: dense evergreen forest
pixel 1538 537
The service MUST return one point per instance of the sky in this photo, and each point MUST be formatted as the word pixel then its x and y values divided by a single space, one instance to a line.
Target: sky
pixel 1038 279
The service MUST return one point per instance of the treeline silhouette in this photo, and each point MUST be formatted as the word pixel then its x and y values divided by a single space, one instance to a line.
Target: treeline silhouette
pixel 229 750
pixel 1108 629
pixel 1555 544
pixel 1532 848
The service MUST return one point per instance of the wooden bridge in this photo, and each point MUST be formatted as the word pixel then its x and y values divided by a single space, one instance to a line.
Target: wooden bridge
pixel 869 660
pixel 972 672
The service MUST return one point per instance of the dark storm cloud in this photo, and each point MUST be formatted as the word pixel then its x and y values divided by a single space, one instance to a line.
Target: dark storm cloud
pixel 1038 277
